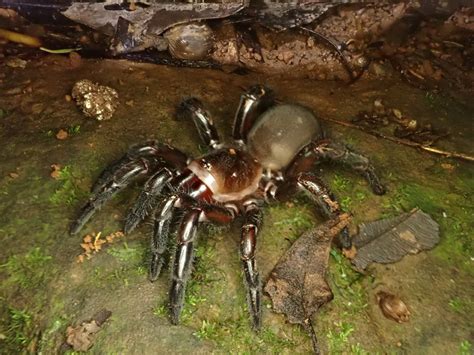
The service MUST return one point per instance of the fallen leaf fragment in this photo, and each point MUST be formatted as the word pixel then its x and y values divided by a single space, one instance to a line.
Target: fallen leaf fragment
pixel 56 171
pixel 14 175
pixel 388 240
pixel 297 285
pixel 81 337
pixel 61 135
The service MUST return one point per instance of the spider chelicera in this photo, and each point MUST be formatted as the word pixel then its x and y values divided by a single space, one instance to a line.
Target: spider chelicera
pixel 273 153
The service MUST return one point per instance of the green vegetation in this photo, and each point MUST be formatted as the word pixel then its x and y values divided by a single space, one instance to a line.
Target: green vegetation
pixel 74 129
pixel 456 304
pixel 69 192
pixel 3 113
pixel 236 336
pixel 465 348
pixel 346 283
pixel 29 270
pixel 338 337
pixel 19 328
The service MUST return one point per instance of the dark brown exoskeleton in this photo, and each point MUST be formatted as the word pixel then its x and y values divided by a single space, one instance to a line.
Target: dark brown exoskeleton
pixel 273 155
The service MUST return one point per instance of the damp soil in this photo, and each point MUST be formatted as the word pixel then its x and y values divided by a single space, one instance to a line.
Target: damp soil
pixel 44 289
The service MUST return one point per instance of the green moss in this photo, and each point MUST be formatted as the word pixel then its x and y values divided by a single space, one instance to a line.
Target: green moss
pixel 68 192
pixel 349 292
pixel 234 335
pixel 29 270
pixel 465 348
pixel 19 327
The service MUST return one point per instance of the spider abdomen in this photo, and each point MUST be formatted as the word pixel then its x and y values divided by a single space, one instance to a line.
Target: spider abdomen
pixel 280 133
pixel 230 174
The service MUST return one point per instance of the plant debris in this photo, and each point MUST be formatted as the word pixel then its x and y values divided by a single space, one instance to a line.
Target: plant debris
pixel 92 244
pixel 61 135
pixel 405 127
pixel 393 307
pixel 388 240
pixel 80 337
pixel 297 285
pixel 56 171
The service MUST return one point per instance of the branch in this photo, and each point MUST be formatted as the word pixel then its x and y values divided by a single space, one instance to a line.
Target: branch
pixel 402 141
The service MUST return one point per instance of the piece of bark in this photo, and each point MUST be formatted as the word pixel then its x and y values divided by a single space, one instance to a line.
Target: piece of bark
pixel 297 285
pixel 388 240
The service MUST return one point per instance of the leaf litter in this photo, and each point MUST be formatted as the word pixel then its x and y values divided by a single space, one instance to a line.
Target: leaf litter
pixel 297 285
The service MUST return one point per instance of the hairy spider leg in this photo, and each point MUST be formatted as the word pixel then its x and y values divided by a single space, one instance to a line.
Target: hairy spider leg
pixel 152 149
pixel 139 160
pixel 148 199
pixel 339 153
pixel 253 219
pixel 252 104
pixel 326 201
pixel 122 178
pixel 163 217
pixel 207 131
pixel 184 255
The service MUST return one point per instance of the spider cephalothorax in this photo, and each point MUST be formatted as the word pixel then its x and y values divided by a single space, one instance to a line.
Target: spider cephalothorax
pixel 273 154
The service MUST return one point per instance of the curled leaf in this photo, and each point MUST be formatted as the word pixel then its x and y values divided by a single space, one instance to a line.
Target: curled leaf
pixel 297 285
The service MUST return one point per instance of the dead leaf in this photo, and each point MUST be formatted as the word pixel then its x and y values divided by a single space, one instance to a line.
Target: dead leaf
pixel 447 166
pixel 388 240
pixel 81 336
pixel 297 285
pixel 14 175
pixel 56 173
pixel 61 135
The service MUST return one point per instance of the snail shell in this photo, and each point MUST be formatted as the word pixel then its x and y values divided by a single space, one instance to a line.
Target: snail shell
pixel 393 307
pixel 192 41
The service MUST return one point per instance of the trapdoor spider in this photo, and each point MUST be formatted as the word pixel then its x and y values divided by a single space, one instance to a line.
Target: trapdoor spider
pixel 274 149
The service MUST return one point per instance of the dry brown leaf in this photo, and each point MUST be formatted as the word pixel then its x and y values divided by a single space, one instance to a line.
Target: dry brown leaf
pixel 297 285
pixel 61 135
pixel 81 337
pixel 56 171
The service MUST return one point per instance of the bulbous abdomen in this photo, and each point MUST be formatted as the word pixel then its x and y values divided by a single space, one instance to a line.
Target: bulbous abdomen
pixel 280 133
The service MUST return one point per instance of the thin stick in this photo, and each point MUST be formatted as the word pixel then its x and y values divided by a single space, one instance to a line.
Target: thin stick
pixel 425 148
pixel 312 334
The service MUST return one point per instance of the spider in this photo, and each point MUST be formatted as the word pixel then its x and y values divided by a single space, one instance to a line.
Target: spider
pixel 272 156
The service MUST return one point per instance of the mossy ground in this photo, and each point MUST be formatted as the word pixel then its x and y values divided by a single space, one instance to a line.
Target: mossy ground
pixel 44 289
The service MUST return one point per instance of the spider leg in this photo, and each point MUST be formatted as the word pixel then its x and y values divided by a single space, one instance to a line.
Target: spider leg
pixel 152 150
pixel 203 121
pixel 339 153
pixel 160 236
pixel 253 220
pixel 122 178
pixel 325 200
pixel 147 199
pixel 184 255
pixel 252 104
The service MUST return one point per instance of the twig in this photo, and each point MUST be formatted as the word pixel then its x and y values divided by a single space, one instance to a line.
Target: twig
pixel 308 325
pixel 425 148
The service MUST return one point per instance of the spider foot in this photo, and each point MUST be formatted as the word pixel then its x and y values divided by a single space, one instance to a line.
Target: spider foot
pixel 156 264
pixel 176 300
pixel 374 182
pixel 254 296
